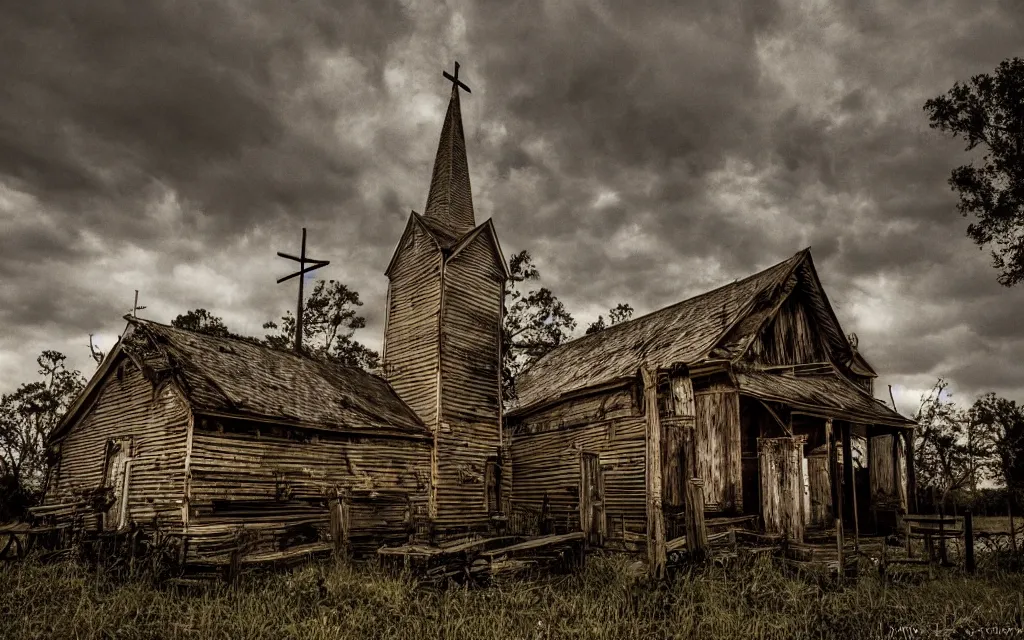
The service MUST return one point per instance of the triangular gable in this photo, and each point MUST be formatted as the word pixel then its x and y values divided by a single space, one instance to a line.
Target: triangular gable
pixel 487 231
pixel 801 286
pixel 414 223
pixel 89 393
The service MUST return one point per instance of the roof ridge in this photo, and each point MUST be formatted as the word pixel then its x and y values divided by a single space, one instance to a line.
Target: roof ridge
pixel 252 341
pixel 618 326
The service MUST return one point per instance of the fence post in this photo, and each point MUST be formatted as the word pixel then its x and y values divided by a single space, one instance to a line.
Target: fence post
pixel 1013 532
pixel 969 539
pixel 942 533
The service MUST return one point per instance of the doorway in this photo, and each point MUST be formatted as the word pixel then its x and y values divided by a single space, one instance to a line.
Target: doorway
pixel 592 512
pixel 115 478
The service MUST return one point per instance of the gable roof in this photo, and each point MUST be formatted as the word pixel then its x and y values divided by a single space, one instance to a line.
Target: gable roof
pixel 447 241
pixel 718 326
pixel 238 378
pixel 684 332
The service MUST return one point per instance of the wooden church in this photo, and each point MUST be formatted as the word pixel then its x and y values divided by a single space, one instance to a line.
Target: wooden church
pixel 741 403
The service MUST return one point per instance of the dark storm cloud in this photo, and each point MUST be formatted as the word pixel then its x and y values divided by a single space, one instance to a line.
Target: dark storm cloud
pixel 642 152
pixel 833 142
pixel 101 98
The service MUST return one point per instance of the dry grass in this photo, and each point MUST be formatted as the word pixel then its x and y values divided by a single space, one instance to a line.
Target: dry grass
pixel 750 600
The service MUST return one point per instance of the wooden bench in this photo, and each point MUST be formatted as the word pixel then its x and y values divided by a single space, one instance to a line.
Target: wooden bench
pixel 932 528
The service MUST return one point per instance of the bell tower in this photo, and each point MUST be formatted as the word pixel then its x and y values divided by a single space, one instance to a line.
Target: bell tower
pixel 442 337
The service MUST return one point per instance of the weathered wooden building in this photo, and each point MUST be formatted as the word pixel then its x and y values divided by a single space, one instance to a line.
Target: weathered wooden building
pixel 213 439
pixel 746 401
pixel 227 444
pixel 739 393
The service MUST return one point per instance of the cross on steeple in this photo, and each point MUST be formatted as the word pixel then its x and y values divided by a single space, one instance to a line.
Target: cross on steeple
pixel 303 270
pixel 455 79
pixel 450 199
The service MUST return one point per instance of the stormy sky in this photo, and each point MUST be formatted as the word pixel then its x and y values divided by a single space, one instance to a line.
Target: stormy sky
pixel 643 152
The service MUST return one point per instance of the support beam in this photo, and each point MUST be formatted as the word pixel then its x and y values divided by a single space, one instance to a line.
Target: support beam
pixel 849 484
pixel 696 531
pixel 837 481
pixel 656 553
pixel 908 435
pixel 869 507
pixel 830 451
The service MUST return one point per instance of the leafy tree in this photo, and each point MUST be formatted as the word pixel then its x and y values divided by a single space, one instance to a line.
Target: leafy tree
pixel 329 320
pixel 26 418
pixel 989 110
pixel 620 313
pixel 202 321
pixel 535 322
pixel 1000 424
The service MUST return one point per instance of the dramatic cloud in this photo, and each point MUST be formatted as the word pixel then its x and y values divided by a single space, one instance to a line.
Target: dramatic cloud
pixel 643 152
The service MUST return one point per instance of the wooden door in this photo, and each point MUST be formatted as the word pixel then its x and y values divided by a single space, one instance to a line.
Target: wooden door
pixel 820 514
pixel 592 513
pixel 781 468
pixel 115 478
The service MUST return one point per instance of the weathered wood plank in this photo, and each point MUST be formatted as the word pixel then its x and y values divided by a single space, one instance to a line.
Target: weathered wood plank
pixel 656 555
pixel 781 486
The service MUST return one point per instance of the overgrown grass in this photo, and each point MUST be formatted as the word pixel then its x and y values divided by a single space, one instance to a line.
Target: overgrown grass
pixel 753 599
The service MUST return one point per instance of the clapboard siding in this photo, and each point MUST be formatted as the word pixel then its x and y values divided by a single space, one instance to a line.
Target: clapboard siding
pixel 471 332
pixel 470 385
pixel 276 486
pixel 411 338
pixel 546 455
pixel 126 408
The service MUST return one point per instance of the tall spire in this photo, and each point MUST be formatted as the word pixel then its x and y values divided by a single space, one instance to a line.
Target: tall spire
pixel 450 200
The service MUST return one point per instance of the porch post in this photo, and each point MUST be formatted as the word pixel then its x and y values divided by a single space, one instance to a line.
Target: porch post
pixel 837 488
pixel 849 483
pixel 656 553
pixel 869 506
pixel 908 435
pixel 830 451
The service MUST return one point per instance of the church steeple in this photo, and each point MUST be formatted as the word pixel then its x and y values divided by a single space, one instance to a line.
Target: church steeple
pixel 450 200
pixel 442 336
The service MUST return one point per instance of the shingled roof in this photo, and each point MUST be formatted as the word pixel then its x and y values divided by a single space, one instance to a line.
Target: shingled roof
pixel 238 378
pixel 681 333
pixel 450 200
pixel 831 395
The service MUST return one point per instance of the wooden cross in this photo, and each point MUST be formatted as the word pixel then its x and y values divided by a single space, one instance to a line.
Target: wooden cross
pixel 135 306
pixel 303 270
pixel 455 79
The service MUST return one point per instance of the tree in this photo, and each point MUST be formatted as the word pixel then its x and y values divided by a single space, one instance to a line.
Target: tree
pixel 329 320
pixel 27 416
pixel 1000 424
pixel 620 313
pixel 989 110
pixel 535 322
pixel 202 321
pixel 941 455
